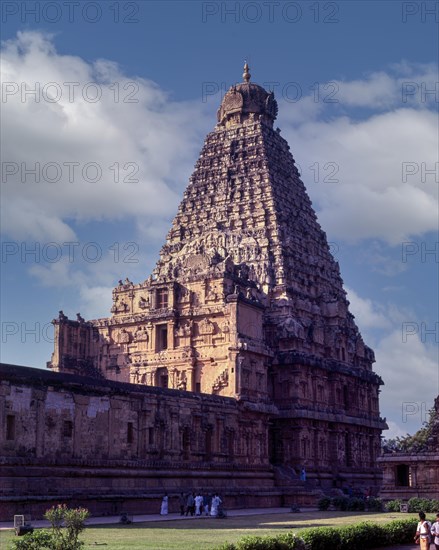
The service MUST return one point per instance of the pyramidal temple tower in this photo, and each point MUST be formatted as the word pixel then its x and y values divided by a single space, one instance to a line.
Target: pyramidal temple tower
pixel 246 301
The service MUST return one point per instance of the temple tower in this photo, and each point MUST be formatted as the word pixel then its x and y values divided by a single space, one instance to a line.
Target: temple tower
pixel 246 301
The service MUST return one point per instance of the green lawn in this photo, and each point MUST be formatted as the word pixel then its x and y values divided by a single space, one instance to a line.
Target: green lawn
pixel 205 533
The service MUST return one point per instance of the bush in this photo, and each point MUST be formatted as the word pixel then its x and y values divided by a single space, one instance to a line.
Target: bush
pixel 324 503
pixel 393 505
pixel 67 524
pixel 400 531
pixel 260 543
pixel 40 539
pixel 415 504
pixel 423 505
pixel 362 535
pixel 293 542
pixel 321 538
pixel 374 504
pixel 356 504
pixel 340 503
pixel 434 506
pixel 419 504
pixel 288 541
pixel 365 535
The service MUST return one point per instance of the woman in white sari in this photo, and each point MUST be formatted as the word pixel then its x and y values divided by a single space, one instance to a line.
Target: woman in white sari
pixel 164 507
pixel 216 501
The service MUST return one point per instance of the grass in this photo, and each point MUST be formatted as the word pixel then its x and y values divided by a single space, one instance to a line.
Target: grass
pixel 207 533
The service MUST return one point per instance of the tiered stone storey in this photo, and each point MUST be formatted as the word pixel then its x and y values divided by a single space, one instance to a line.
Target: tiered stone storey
pixel 246 301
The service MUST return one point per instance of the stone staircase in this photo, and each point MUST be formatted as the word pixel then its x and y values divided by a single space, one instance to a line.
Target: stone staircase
pixel 295 490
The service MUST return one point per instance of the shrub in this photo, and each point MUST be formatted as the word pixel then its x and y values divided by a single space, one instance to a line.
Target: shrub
pixel 356 504
pixel 374 504
pixel 40 539
pixel 321 538
pixel 293 542
pixel 419 504
pixel 400 531
pixel 324 503
pixel 340 503
pixel 423 505
pixel 365 535
pixel 393 505
pixel 74 521
pixel 67 524
pixel 260 543
pixel 362 535
pixel 288 541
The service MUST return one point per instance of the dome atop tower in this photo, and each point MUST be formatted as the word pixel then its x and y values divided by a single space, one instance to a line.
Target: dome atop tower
pixel 247 101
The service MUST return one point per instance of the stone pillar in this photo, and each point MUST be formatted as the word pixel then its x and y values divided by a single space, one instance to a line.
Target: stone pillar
pixel 190 378
pixel 81 402
pixel 40 397
pixel 171 335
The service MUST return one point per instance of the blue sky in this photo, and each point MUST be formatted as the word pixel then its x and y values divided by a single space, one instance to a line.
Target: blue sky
pixel 125 93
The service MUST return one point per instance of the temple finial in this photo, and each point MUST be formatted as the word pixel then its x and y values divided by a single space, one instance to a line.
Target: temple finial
pixel 246 76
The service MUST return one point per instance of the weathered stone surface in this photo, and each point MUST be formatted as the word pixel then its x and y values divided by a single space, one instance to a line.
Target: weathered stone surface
pixel 104 444
pixel 245 302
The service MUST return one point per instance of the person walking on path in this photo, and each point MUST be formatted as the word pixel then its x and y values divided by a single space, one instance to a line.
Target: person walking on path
pixel 423 532
pixel 435 532
pixel 216 501
pixel 190 504
pixel 198 504
pixel 164 507
pixel 182 503
pixel 206 504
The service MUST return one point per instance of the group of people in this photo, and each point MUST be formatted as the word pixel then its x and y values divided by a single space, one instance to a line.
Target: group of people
pixel 195 504
pixel 426 533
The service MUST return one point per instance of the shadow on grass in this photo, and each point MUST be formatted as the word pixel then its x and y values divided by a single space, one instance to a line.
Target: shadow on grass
pixel 207 525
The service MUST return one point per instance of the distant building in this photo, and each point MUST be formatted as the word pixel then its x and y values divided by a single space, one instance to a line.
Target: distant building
pixel 414 473
pixel 246 302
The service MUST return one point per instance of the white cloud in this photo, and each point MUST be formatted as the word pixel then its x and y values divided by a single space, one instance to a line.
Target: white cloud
pixel 22 218
pixel 155 141
pixel 377 257
pixel 406 361
pixel 404 83
pixel 95 301
pixel 151 140
pixel 367 314
pixel 357 174
pixel 411 374
pixel 89 285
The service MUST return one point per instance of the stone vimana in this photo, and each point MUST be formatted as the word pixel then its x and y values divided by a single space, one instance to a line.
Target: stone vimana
pixel 245 316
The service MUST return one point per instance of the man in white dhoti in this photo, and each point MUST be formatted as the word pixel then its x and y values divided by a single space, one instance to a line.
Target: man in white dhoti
pixel 198 504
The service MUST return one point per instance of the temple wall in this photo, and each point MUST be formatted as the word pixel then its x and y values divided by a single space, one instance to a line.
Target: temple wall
pixel 104 444
pixel 410 475
pixel 51 414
